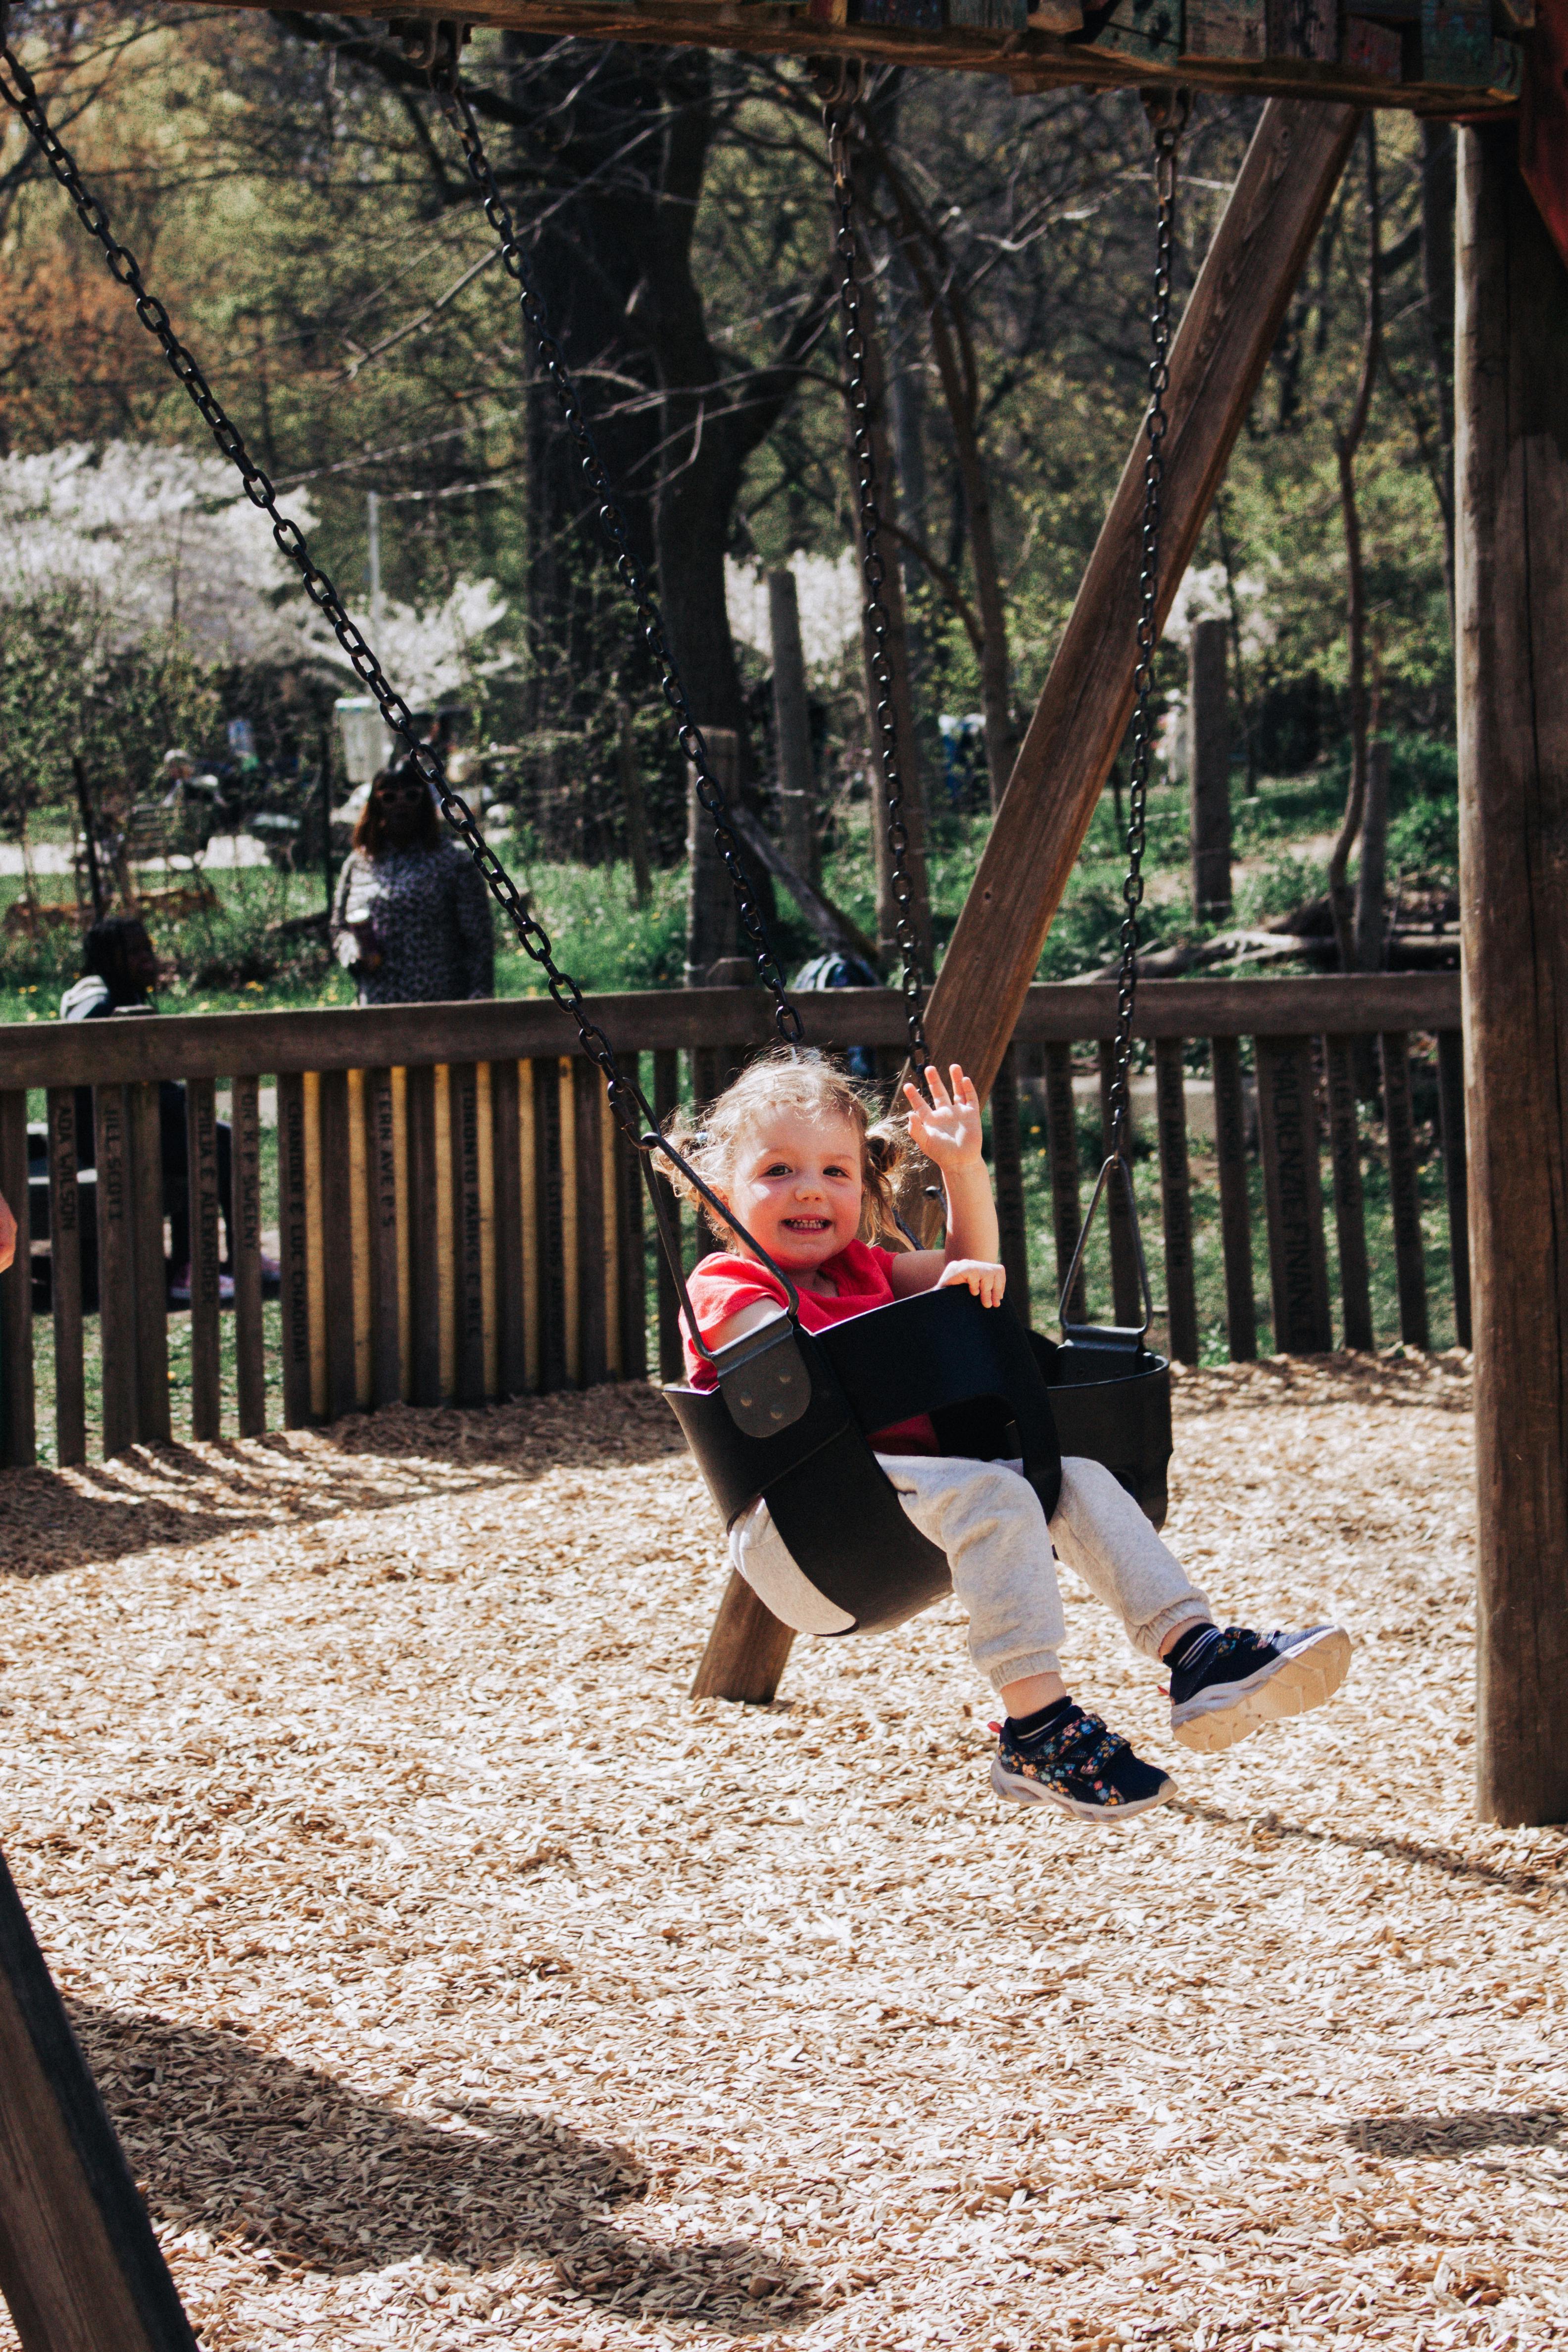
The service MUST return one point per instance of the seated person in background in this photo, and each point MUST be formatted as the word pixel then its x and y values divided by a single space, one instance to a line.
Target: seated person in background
pixel 411 916
pixel 120 971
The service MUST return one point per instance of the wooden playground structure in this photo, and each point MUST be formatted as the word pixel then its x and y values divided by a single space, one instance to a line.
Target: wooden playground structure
pixel 77 2263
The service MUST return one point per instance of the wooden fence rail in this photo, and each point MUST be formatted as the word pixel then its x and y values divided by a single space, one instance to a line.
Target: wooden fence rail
pixel 458 1218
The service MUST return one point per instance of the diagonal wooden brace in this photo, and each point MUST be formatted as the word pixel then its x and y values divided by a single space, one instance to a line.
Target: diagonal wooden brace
pixel 1228 330
pixel 81 2268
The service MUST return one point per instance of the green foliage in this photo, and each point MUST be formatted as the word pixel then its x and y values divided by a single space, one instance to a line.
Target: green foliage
pixel 605 939
pixel 67 692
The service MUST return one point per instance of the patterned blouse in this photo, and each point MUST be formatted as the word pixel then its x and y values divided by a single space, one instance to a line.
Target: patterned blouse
pixel 431 912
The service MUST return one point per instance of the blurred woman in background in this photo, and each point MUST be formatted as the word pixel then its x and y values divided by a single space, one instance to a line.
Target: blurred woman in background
pixel 411 918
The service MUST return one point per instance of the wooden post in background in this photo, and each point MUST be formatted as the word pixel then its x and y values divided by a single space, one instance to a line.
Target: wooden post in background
pixel 18 1443
pixel 712 927
pixel 64 1287
pixel 1209 717
pixel 792 728
pixel 1511 398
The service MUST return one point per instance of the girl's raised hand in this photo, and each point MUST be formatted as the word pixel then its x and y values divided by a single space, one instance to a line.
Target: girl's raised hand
pixel 986 1281
pixel 946 1128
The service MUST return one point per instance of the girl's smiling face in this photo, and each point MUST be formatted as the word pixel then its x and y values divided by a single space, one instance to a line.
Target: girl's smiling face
pixel 796 1186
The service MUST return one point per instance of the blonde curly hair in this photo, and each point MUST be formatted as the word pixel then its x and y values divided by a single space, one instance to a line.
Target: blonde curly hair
pixel 809 1086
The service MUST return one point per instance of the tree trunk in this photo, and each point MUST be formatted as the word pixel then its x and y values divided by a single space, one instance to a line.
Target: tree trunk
pixel 1511 386
pixel 908 392
pixel 1209 710
pixel 588 261
pixel 713 923
pixel 1346 443
pixel 1372 880
pixel 1437 309
pixel 634 803
pixel 792 729
pixel 897 649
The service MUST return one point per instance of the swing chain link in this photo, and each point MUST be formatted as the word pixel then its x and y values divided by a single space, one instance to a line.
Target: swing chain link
pixel 840 103
pixel 551 359
pixel 1168 112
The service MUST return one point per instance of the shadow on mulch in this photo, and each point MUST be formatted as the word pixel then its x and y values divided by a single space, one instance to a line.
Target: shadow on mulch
pixel 186 1493
pixel 239 2142
pixel 1457 2134
pixel 1519 1878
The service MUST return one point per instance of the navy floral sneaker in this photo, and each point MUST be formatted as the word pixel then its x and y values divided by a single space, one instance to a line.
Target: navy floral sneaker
pixel 1225 1685
pixel 1066 1758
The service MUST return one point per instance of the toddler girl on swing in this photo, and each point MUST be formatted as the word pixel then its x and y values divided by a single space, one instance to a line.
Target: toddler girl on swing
pixel 790 1148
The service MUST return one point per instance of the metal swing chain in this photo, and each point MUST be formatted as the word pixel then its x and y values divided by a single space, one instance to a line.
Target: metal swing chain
pixel 838 116
pixel 1168 117
pixel 515 260
pixel 20 93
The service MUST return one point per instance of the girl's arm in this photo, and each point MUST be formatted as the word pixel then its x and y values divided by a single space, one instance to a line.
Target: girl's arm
pixel 947 1130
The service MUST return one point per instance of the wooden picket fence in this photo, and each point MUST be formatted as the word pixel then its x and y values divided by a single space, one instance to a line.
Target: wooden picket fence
pixel 459 1219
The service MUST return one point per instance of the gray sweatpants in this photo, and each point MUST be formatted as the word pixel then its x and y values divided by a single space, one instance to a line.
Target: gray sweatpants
pixel 987 1518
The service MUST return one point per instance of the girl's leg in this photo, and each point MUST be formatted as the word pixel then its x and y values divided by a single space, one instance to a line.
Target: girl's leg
pixel 1104 1537
pixel 989 1522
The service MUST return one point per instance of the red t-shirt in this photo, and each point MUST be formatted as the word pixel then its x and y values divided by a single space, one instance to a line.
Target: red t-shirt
pixel 721 1286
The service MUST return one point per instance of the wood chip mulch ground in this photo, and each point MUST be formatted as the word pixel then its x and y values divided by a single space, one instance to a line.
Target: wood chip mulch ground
pixel 453 1981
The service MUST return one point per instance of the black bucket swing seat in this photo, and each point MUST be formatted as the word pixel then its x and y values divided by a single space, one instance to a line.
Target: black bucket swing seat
pixel 794 1415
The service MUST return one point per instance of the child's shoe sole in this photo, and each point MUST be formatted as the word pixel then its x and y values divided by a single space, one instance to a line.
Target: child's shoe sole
pixel 1019 1790
pixel 1304 1678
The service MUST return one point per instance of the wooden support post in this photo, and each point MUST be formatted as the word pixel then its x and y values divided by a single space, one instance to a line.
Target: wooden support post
pixel 1511 398
pixel 116 1270
pixel 201 1160
pixel 143 1109
pixel 506 1161
pixel 1006 1159
pixel 747 1649
pixel 468 1249
pixel 592 1321
pixel 548 1197
pixel 1234 1198
pixel 1350 1210
pixel 1126 1290
pixel 64 1280
pixel 19 1449
pixel 250 1366
pixel 1176 1200
pixel 1456 1186
pixel 81 2268
pixel 1238 305
pixel 1066 1201
pixel 1404 1192
pixel 1298 1263
pixel 792 729
pixel 1209 720
pixel 631 1252
pixel 293 1243
pixel 381 1183
pixel 338 1244
pixel 666 1093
